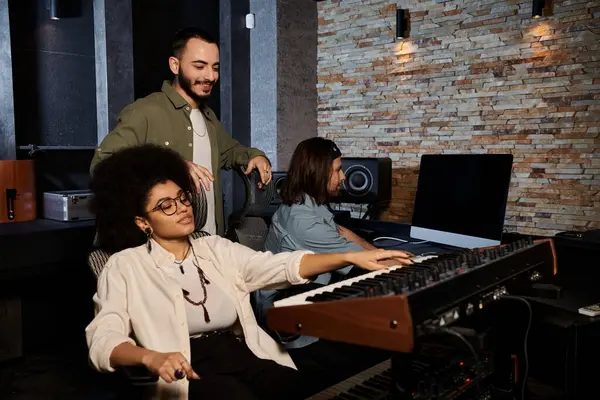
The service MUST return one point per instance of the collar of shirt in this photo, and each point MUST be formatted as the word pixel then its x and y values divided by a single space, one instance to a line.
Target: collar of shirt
pixel 165 259
pixel 161 257
pixel 179 102
pixel 322 210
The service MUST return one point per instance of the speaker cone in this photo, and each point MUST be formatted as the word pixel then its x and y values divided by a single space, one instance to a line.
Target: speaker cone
pixel 359 180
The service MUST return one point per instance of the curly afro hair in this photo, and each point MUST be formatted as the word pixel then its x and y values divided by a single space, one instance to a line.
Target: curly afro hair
pixel 121 185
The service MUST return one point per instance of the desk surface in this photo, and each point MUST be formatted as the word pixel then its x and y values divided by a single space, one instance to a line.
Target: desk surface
pixel 28 248
pixel 41 225
pixel 391 235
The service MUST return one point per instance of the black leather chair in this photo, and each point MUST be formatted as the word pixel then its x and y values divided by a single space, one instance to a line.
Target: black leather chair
pixel 249 225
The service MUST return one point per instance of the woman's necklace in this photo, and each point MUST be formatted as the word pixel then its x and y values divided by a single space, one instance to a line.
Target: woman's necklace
pixel 187 252
pixel 203 283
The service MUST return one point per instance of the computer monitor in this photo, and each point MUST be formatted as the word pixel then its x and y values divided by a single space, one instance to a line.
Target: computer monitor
pixel 461 199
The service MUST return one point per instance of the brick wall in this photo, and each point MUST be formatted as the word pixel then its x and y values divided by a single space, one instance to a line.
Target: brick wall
pixel 474 76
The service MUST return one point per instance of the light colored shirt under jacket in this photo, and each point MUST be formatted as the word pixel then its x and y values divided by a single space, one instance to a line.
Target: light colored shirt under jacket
pixel 136 298
pixel 203 157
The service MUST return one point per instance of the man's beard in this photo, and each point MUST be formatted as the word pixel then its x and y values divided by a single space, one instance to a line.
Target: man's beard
pixel 186 84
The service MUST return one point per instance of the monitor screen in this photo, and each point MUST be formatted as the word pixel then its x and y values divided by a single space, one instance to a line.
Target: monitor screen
pixel 461 199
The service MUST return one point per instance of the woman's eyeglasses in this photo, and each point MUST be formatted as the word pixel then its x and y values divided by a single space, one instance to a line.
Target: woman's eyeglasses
pixel 169 206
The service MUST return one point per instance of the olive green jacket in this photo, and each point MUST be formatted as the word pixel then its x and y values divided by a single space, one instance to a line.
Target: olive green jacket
pixel 163 118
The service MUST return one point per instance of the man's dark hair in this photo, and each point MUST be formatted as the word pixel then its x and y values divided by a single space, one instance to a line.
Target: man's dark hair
pixel 309 172
pixel 121 185
pixel 184 35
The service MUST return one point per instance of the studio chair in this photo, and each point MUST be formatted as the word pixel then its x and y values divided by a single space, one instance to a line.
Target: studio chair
pixel 248 225
pixel 200 208
pixel 137 382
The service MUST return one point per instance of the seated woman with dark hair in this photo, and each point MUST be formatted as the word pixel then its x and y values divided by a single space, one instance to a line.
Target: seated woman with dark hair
pixel 304 222
pixel 181 307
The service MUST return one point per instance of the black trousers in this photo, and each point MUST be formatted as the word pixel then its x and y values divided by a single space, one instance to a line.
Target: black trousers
pixel 229 370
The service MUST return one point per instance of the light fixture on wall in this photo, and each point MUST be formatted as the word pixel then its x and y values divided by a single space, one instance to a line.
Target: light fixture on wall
pixel 59 9
pixel 402 24
pixel 537 8
pixel 53 8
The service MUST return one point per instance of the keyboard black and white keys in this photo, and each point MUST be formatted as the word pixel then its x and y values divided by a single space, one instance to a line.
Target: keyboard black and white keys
pixel 371 384
pixel 436 371
pixel 330 292
pixel 388 308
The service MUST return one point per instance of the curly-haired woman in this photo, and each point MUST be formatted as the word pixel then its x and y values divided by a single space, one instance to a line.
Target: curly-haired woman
pixel 181 307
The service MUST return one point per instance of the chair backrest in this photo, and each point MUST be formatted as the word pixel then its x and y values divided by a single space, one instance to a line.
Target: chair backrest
pixel 251 232
pixel 248 226
pixel 257 200
pixel 200 207
pixel 97 259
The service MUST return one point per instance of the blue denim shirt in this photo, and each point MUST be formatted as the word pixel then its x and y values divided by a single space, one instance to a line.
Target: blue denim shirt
pixel 305 226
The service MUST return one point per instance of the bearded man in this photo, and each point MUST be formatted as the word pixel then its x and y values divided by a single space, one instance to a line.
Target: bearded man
pixel 179 118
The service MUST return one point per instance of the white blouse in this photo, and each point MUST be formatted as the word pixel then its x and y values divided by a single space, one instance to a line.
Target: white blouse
pixel 138 302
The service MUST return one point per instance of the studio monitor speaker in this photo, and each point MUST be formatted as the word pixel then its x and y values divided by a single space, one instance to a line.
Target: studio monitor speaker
pixel 368 181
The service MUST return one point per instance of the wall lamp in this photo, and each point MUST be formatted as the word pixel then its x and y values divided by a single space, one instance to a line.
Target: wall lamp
pixel 402 24
pixel 53 8
pixel 58 9
pixel 537 8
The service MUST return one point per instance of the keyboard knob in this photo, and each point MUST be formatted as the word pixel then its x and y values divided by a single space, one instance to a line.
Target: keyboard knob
pixel 471 260
pixel 435 273
pixel 457 264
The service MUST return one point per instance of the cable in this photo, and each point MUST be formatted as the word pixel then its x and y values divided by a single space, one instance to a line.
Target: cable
pixel 390 238
pixel 525 340
pixel 466 342
pixel 398 240
pixel 463 339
